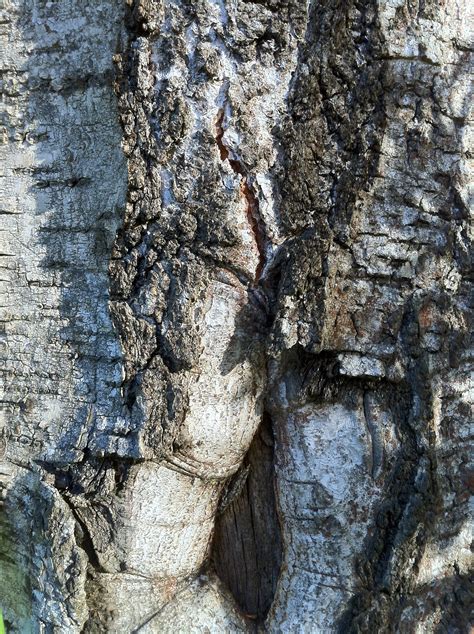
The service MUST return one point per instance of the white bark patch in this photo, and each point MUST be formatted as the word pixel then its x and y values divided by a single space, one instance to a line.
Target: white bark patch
pixel 226 395
pixel 325 493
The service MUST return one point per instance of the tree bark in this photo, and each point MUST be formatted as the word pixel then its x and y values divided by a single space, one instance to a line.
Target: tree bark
pixel 236 294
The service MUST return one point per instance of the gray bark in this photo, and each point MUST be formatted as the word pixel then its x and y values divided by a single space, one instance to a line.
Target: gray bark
pixel 235 298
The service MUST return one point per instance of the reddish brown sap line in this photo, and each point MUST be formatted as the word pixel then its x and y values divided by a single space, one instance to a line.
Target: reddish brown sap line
pixel 252 206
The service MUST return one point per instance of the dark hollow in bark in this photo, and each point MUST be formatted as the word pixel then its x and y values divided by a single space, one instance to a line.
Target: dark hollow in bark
pixel 246 550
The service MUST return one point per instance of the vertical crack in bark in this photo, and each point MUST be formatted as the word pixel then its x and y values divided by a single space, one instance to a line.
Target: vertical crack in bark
pixel 251 201
pixel 375 439
pixel 247 549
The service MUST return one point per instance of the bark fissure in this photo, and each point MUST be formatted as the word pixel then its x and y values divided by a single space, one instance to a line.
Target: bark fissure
pixel 251 200
pixel 246 549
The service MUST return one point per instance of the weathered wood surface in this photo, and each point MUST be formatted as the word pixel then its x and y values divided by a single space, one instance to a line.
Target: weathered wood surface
pixel 216 213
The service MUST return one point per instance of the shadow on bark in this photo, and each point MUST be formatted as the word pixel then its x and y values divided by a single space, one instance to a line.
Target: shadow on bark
pixel 247 549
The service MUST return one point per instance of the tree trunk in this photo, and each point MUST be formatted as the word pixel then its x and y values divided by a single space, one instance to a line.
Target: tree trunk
pixel 236 314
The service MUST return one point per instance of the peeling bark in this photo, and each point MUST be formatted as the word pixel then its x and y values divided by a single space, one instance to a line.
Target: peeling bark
pixel 235 297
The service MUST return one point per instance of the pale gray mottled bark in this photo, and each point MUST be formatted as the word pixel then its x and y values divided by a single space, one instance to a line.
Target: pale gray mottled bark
pixel 236 311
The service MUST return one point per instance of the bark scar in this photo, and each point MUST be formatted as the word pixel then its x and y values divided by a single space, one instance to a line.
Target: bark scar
pixel 375 437
pixel 252 207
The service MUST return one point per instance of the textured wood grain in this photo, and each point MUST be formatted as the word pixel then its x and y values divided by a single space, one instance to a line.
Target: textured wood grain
pixel 216 217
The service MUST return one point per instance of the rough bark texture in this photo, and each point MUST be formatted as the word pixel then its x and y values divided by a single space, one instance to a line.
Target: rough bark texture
pixel 235 302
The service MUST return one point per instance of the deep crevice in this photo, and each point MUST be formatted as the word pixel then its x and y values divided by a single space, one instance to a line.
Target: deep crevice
pixel 252 205
pixel 247 549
